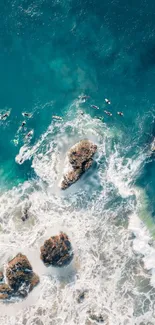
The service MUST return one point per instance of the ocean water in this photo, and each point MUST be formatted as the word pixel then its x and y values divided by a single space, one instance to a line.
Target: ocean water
pixel 52 53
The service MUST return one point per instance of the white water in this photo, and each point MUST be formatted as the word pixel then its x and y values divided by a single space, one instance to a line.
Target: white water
pixel 99 213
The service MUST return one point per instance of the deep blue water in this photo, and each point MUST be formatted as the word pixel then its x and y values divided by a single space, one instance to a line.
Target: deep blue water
pixel 52 51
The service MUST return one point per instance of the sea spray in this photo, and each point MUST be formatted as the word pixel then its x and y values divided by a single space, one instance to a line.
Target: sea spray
pixel 105 263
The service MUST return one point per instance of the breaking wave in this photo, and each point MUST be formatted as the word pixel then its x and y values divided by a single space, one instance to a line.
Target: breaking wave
pixel 113 250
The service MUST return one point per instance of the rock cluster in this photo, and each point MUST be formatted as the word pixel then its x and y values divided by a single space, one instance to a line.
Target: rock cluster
pixel 78 160
pixel 57 251
pixel 20 277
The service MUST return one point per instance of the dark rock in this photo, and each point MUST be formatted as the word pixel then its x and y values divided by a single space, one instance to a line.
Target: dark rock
pixel 25 215
pixel 132 236
pixel 57 251
pixel 1 276
pixel 81 296
pixel 25 211
pixel 79 159
pixel 5 291
pixel 20 275
pixel 99 318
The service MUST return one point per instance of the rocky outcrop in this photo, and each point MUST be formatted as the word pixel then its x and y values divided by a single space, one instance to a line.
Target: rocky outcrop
pixel 57 251
pixel 78 160
pixel 20 274
pixel 20 277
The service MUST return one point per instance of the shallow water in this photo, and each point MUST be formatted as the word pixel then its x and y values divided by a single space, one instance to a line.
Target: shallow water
pixel 52 53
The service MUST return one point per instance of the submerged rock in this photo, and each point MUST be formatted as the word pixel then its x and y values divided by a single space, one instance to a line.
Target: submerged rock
pixel 101 319
pixel 153 145
pixel 20 275
pixel 25 215
pixel 81 296
pixel 57 251
pixel 97 318
pixel 79 159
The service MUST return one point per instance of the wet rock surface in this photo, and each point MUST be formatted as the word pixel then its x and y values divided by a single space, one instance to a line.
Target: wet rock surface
pixel 79 159
pixel 20 276
pixel 57 251
pixel 19 273
pixel 1 276
pixel 5 291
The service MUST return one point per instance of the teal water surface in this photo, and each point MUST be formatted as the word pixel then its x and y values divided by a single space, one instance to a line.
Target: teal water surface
pixel 52 51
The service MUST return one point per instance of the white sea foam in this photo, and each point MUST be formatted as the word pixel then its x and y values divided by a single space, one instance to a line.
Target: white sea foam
pixel 94 212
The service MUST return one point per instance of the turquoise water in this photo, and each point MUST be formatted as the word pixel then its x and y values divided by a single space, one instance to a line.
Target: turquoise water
pixel 52 52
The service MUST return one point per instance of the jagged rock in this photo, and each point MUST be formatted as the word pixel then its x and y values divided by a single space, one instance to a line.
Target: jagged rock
pixel 5 291
pixel 78 160
pixel 1 276
pixel 81 153
pixel 57 251
pixel 20 275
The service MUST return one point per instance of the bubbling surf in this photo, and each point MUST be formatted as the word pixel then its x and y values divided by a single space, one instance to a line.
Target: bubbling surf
pixel 99 213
